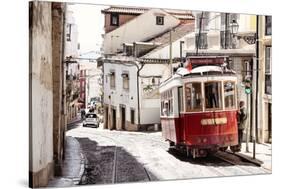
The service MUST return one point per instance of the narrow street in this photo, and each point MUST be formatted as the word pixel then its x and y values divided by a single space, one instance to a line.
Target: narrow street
pixel 122 156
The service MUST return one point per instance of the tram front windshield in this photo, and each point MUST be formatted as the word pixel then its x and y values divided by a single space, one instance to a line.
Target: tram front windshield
pixel 213 95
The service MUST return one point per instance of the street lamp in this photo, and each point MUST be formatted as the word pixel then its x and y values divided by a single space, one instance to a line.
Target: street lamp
pixel 234 26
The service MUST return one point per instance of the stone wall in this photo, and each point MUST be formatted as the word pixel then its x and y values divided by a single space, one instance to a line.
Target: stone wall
pixel 41 145
pixel 46 77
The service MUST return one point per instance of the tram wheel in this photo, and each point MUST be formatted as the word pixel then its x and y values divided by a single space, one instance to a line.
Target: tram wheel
pixel 223 148
pixel 236 148
pixel 171 144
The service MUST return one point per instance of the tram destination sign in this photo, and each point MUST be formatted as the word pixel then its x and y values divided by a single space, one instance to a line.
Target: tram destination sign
pixel 206 60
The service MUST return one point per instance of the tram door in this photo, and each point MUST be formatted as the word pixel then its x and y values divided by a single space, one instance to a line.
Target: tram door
pixel 180 109
pixel 180 99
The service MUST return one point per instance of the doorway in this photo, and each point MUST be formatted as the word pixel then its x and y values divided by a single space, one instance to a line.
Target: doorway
pixel 269 122
pixel 106 118
pixel 123 116
pixel 113 118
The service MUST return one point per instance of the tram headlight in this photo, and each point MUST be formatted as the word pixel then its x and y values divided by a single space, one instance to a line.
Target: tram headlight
pixel 198 140
pixel 204 140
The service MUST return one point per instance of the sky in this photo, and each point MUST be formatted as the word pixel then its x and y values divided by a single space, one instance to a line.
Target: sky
pixel 90 22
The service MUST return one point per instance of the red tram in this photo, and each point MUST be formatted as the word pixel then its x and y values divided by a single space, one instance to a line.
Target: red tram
pixel 199 107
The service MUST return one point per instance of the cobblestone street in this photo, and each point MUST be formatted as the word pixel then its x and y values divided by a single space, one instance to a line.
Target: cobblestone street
pixel 122 156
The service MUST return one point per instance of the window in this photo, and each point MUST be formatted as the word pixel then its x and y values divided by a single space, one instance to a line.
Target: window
pixel 125 77
pixel 213 95
pixel 180 93
pixel 159 20
pixel 204 22
pixel 132 116
pixel 167 107
pixel 112 79
pixel 114 20
pixel 228 40
pixel 268 29
pixel 268 64
pixel 68 34
pixel 193 96
pixel 229 95
pixel 91 116
pixel 225 39
pixel 203 41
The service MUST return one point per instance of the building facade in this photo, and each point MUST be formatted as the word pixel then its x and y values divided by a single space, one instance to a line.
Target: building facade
pixel 136 62
pixel 265 79
pixel 71 53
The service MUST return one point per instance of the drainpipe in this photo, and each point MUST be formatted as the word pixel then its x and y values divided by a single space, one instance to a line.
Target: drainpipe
pixel 138 74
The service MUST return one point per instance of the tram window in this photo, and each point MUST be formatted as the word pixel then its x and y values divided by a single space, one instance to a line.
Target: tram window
pixel 213 95
pixel 180 99
pixel 193 96
pixel 229 94
pixel 167 108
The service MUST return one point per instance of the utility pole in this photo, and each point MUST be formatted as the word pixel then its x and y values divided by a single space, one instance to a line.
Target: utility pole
pixel 171 59
pixel 199 35
pixel 257 88
pixel 181 43
pixel 226 28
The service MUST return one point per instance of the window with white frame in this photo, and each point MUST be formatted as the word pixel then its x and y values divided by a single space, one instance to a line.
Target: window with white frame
pixel 159 20
pixel 268 29
pixel 204 19
pixel 68 32
pixel 229 95
pixel 112 79
pixel 213 97
pixel 125 77
pixel 227 39
pixel 167 107
pixel 268 70
pixel 114 19
pixel 193 97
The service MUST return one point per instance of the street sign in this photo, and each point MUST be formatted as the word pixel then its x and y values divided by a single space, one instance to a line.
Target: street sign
pixel 248 90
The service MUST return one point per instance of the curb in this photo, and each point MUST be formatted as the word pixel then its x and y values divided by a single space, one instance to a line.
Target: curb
pixel 82 164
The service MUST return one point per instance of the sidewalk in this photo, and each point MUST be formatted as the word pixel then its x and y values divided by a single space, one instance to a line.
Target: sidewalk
pixel 263 153
pixel 75 120
pixel 72 166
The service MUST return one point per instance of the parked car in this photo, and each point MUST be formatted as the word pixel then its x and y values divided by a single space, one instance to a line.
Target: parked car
pixel 91 119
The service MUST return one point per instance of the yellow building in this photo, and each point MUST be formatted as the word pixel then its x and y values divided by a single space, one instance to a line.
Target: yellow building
pixel 265 79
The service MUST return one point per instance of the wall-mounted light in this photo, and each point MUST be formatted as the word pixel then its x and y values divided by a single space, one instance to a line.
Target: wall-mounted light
pixel 234 26
pixel 125 75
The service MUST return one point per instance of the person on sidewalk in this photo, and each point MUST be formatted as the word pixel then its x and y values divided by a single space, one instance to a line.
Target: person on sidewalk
pixel 242 116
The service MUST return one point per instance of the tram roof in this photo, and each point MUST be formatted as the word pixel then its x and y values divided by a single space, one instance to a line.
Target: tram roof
pixel 201 71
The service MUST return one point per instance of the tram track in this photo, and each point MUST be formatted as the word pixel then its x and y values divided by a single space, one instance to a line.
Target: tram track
pixel 217 164
pixel 241 162
pixel 117 145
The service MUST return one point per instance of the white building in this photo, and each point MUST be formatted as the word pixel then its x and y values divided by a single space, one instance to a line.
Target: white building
pixel 71 42
pixel 93 77
pixel 132 77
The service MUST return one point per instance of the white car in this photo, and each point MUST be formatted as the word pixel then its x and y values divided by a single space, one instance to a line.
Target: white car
pixel 91 119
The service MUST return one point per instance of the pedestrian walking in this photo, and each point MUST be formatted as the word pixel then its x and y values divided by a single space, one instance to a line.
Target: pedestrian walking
pixel 242 116
pixel 83 113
